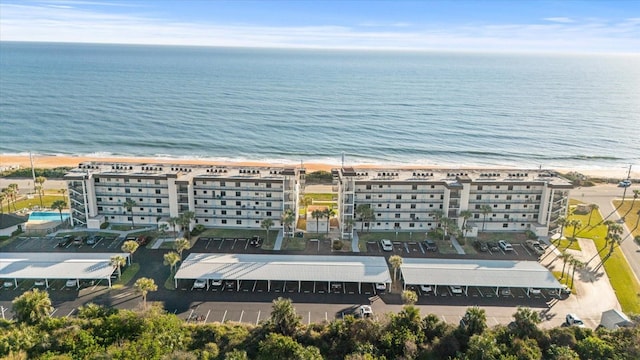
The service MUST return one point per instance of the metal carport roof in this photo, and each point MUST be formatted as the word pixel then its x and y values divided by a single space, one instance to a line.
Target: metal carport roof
pixel 359 269
pixel 490 273
pixel 57 265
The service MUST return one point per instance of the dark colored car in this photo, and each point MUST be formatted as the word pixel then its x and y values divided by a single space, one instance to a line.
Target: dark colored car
pixel 429 245
pixel 143 240
pixel 480 246
pixel 493 246
pixel 255 241
pixel 65 241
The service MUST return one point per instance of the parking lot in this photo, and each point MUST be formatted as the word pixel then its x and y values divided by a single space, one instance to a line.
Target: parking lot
pixel 109 243
pixel 282 287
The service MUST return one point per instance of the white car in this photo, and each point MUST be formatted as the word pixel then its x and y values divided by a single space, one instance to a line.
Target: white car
pixel 381 286
pixel 456 289
pixel 200 284
pixel 364 311
pixel 573 320
pixel 8 284
pixel 624 183
pixel 426 288
pixel 39 283
pixel 505 245
pixel 216 282
pixel 386 244
pixel 72 283
pixel 534 291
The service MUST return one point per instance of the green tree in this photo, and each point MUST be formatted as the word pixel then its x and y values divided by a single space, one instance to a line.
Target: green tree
pixel 185 222
pixel 173 222
pixel 130 246
pixel 348 224
pixel 485 210
pixel 466 215
pixel 592 208
pixel 366 214
pixel 576 225
pixel 40 187
pixel 181 245
pixel 526 322
pixel 562 222
pixel 143 285
pixel 438 215
pixel 129 204
pixel 396 262
pixel 305 201
pixel 118 261
pixel 328 213
pixel 3 195
pixel 483 347
pixel 236 354
pixel 526 349
pixel 577 264
pixel 32 306
pixel 163 228
pixel 317 214
pixel 267 224
pixel 594 348
pixel 283 317
pixel 556 352
pixel 565 257
pixel 288 218
pixel 171 259
pixel 277 346
pixel 474 321
pixel 59 205
pixel 409 297
pixel 14 191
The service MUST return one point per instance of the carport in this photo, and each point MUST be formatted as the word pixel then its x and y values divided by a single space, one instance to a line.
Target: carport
pixel 296 268
pixel 486 273
pixel 56 266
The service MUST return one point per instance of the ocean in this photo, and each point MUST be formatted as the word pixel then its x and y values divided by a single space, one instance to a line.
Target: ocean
pixel 283 105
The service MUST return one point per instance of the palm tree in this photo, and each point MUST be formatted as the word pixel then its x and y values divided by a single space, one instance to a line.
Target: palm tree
pixel 284 318
pixel 636 193
pixel 40 187
pixel 59 205
pixel 575 224
pixel 466 215
pixel 474 321
pixel 562 222
pixel 185 222
pixel 396 262
pixel 438 215
pixel 9 195
pixel 3 195
pixel 485 210
pixel 305 201
pixel 14 192
pixel 368 217
pixel 592 207
pixel 348 223
pixel 63 192
pixel 118 261
pixel 130 246
pixel 448 226
pixel 577 264
pixel 32 306
pixel 328 212
pixel 172 258
pixel 565 257
pixel 288 218
pixel 173 221
pixel 181 245
pixel 143 286
pixel 267 224
pixel 409 297
pixel 163 228
pixel 129 204
pixel 317 214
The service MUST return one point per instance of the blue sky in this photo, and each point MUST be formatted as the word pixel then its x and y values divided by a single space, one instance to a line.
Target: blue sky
pixel 530 26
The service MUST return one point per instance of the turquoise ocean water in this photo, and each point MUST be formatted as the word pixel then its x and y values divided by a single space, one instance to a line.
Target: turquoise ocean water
pixel 431 108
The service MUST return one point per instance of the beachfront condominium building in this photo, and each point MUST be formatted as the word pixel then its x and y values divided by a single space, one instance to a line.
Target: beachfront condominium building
pixel 220 196
pixel 418 200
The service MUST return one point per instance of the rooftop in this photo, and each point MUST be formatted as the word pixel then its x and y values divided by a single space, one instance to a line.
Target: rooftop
pixel 56 265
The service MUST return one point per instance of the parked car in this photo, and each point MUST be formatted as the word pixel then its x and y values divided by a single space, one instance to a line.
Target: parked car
pixel 493 246
pixel 480 246
pixel 534 246
pixel 430 245
pixel 364 311
pixel 574 320
pixel 216 282
pixel 65 241
pixel 534 291
pixel 78 240
pixel 624 183
pixel 8 284
pixel 72 283
pixel 505 245
pixel 200 284
pixel 255 241
pixel 426 288
pixel 40 283
pixel 93 239
pixel 456 289
pixel 505 291
pixel 381 287
pixel 386 244
pixel 143 240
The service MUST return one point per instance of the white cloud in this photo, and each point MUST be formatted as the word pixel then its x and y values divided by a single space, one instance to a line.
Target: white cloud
pixel 44 23
pixel 560 19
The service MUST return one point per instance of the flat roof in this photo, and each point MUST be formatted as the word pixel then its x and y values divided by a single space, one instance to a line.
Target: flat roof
pixel 491 273
pixel 362 269
pixel 56 265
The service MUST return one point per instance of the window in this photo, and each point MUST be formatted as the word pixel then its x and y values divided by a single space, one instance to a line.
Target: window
pixel 99 199
pixel 380 186
pixel 476 216
pixel 268 185
pixel 414 197
pixel 238 193
pixel 159 211
pixel 506 216
pixel 397 216
pixel 505 225
pixel 97 180
pixel 268 213
pixel 239 222
pixel 538 197
pixel 139 180
pixel 127 191
pixel 238 212
pixel 398 197
pixel 128 218
pixel 414 187
pixel 237 184
pixel 141 209
pixel 379 196
pixel 368 187
pixel 268 195
pixel 537 207
pixel 140 200
pixel 223 193
pixel 412 225
pixel 398 206
pixel 108 189
pixel 495 206
pixel 479 187
pixel 379 205
pixel 256 183
pixel 257 203
pixel 510 187
pixel 204 192
pixel 158 201
pixel 268 203
pixel 477 206
pixel 508 197
pixel 528 186
pixel 99 208
pixel 413 206
pixel 496 196
pixel 433 186
pixel 368 197
pixel 431 196
pixel 223 212
pixel 206 201
pixel 139 190
pixel 158 192
pixel 223 202
pixel 222 183
pixel 507 206
pixel 497 186
pixel 224 221
pixel 110 198
pixel 478 197
pixel 206 211
pixel 430 205
pixel 238 203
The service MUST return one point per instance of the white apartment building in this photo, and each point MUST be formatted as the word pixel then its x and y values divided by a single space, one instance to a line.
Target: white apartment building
pixel 407 200
pixel 229 197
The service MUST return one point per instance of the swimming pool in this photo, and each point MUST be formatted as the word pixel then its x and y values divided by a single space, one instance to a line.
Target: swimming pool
pixel 47 216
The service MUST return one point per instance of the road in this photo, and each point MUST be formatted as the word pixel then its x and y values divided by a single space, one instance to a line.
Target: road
pixel 603 196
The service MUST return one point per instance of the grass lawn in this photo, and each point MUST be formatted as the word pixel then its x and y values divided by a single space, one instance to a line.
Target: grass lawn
pixel 25 203
pixel 630 214
pixel 321 196
pixel 127 275
pixel 294 243
pixel 567 244
pixel 169 284
pixel 620 275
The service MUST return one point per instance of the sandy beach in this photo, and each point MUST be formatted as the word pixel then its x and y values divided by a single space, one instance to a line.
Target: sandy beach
pixel 41 161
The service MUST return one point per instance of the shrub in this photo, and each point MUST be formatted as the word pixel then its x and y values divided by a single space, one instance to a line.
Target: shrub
pixel 530 235
pixel 104 225
pixel 319 177
pixel 337 245
pixel 197 230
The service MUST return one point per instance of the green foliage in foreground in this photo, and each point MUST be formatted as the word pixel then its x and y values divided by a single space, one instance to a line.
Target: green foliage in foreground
pixel 55 173
pixel 105 333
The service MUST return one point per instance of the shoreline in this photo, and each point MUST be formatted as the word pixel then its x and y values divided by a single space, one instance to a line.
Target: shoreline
pixel 52 161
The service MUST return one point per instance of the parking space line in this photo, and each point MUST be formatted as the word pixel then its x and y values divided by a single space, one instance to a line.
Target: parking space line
pixel 258 318
pixel 207 316
pixel 224 316
pixel 190 314
pixel 254 285
pixel 53 312
pixel 71 312
pixel 525 249
pixel 221 242
pixel 208 243
pixel 326 317
pixel 241 314
pixel 234 243
pixel 309 321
